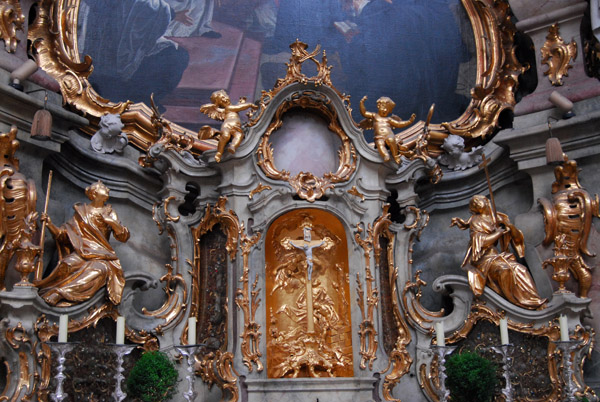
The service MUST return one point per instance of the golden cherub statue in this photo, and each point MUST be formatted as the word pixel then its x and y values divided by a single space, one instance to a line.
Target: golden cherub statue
pixel 382 123
pixel 497 269
pixel 231 129
pixel 87 262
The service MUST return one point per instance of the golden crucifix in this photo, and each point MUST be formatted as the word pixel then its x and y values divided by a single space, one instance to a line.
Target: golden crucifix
pixel 307 244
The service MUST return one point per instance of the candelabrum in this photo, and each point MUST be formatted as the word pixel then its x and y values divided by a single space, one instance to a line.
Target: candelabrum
pixel 506 351
pixel 566 348
pixel 442 352
pixel 61 349
pixel 189 351
pixel 121 351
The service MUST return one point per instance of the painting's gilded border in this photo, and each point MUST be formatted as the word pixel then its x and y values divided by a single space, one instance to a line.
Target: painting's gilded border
pixel 54 38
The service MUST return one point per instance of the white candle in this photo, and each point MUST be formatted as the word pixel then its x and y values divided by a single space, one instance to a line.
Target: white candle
pixel 504 331
pixel 192 331
pixel 120 330
pixel 564 327
pixel 439 333
pixel 63 327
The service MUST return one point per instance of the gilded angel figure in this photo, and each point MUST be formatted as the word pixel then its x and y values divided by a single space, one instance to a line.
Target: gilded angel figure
pixel 231 129
pixel 87 262
pixel 383 124
pixel 497 269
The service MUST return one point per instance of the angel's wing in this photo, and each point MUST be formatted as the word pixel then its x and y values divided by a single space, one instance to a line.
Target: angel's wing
pixel 366 124
pixel 213 111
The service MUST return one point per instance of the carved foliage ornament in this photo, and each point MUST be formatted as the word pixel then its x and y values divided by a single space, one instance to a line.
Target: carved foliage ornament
pixel 54 37
pixel 11 21
pixel 307 185
pixel 557 55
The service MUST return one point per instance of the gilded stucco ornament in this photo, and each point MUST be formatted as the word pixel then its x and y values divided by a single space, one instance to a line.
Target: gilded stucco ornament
pixel 20 340
pixel 11 21
pixel 488 266
pixel 231 129
pixel 248 301
pixel 87 261
pixel 307 185
pixel 557 55
pixel 17 200
pixel 27 252
pixel 568 221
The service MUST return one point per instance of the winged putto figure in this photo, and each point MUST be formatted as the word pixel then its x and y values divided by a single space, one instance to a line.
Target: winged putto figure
pixel 231 129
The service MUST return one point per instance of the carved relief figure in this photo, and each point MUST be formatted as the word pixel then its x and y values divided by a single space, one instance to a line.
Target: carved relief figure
pixel 383 124
pixel 455 157
pixel 17 200
pixel 568 220
pixel 231 129
pixel 87 262
pixel 497 269
pixel 109 138
pixel 309 329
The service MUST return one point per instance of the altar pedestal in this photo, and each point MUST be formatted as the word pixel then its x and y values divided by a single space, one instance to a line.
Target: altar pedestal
pixel 310 389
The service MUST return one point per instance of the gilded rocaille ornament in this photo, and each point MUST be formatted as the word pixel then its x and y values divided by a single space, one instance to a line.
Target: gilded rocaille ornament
pixel 497 269
pixel 11 21
pixel 382 123
pixel 87 261
pixel 557 55
pixel 568 220
pixel 17 200
pixel 231 130
pixel 27 252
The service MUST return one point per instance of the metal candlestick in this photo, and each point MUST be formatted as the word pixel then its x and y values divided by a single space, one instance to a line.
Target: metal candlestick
pixel 442 352
pixel 506 352
pixel 61 348
pixel 566 347
pixel 189 351
pixel 121 351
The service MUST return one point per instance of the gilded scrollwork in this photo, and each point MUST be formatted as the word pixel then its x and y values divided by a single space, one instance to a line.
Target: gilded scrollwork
pixel 217 368
pixel 557 55
pixel 367 332
pixel 248 301
pixel 11 21
pixel 259 189
pixel 568 223
pixel 19 340
pixel 307 185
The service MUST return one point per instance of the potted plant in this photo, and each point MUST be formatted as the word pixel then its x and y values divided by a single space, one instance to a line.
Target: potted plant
pixel 153 378
pixel 470 378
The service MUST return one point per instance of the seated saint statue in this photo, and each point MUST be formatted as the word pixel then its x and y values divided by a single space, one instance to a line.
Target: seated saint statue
pixel 87 262
pixel 497 269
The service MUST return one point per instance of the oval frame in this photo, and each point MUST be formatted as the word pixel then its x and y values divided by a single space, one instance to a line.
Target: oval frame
pixel 54 37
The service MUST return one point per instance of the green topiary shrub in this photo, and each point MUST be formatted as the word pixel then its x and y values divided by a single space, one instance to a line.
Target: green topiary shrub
pixel 153 378
pixel 471 378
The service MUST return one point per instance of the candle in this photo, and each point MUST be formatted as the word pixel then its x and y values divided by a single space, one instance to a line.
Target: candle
pixel 192 331
pixel 63 327
pixel 439 333
pixel 120 330
pixel 504 331
pixel 564 327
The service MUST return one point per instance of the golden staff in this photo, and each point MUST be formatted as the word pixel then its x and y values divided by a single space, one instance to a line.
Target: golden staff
pixel 40 264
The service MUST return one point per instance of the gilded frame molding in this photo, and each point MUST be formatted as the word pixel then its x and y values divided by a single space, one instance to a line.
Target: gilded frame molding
pixel 54 38
pixel 307 185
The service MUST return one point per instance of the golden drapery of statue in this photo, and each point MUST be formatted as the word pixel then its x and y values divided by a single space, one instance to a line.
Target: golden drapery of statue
pixel 87 262
pixel 307 286
pixel 497 269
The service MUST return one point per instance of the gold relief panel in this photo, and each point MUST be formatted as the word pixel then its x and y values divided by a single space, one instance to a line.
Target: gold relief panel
pixel 309 331
pixel 61 43
pixel 306 146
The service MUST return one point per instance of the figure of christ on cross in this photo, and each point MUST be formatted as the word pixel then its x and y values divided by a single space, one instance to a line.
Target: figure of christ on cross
pixel 307 244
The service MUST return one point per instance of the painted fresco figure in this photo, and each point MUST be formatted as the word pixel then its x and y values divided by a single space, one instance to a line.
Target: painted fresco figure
pixel 195 20
pixel 87 262
pixel 497 269
pixel 131 56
